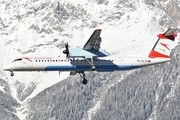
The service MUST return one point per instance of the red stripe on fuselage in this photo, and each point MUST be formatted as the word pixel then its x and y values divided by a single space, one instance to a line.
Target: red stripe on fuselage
pixel 27 59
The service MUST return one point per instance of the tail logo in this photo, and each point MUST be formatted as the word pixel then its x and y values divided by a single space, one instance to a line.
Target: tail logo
pixel 165 45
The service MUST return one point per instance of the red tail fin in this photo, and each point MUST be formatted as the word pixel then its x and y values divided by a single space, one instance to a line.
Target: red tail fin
pixel 164 44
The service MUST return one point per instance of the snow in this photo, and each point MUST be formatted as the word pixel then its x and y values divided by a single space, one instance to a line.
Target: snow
pixel 134 35
pixel 101 94
pixel 2 89
pixel 93 110
pixel 55 78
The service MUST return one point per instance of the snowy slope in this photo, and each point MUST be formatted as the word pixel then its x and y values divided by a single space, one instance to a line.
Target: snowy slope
pixel 40 28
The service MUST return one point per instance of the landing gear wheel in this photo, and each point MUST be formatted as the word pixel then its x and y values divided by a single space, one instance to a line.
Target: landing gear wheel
pixel 12 74
pixel 93 68
pixel 82 75
pixel 84 81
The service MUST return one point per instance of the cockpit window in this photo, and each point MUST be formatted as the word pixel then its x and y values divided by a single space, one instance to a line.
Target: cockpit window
pixel 19 59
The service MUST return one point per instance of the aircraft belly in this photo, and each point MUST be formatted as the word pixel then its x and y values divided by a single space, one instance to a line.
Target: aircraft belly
pixel 127 67
pixel 80 68
pixel 100 67
pixel 59 68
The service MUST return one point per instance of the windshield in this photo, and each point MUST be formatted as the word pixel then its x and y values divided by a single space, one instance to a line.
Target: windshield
pixel 19 59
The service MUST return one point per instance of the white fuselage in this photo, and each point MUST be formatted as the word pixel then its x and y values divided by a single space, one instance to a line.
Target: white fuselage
pixel 80 64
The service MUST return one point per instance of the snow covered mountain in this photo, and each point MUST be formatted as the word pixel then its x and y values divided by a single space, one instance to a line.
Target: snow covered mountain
pixel 41 27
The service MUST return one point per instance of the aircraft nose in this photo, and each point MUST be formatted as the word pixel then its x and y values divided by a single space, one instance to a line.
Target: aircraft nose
pixel 8 67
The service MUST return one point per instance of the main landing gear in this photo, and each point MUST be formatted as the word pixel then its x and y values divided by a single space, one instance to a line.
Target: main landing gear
pixel 93 68
pixel 84 81
pixel 91 62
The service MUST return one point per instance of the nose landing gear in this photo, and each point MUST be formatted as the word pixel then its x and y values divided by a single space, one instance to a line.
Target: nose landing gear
pixel 12 74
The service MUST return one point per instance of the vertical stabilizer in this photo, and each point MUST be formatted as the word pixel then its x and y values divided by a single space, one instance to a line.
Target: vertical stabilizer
pixel 164 44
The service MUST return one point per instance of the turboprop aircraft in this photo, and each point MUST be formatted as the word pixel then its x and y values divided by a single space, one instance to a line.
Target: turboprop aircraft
pixel 92 58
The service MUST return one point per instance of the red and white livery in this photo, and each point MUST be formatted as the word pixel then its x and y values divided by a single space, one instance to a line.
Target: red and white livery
pixel 92 58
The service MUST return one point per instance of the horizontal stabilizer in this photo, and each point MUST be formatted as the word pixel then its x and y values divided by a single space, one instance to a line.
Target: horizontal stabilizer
pixel 170 32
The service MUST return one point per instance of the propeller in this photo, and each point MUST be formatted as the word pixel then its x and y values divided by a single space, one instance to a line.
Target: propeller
pixel 66 51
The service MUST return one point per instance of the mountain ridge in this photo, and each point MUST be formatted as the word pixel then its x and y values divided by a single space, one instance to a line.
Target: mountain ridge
pixel 40 28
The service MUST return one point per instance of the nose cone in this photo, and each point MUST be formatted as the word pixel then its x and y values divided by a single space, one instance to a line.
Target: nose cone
pixel 8 67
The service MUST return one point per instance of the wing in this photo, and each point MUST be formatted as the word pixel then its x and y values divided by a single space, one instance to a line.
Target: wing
pixel 91 49
pixel 94 41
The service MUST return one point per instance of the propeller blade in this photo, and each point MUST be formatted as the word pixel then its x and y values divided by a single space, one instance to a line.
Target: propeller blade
pixel 66 51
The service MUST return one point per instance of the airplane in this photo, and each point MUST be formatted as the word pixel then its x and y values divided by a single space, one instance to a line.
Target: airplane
pixel 93 58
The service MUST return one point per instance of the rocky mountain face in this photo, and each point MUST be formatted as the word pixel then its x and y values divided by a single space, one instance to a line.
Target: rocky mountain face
pixel 41 27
